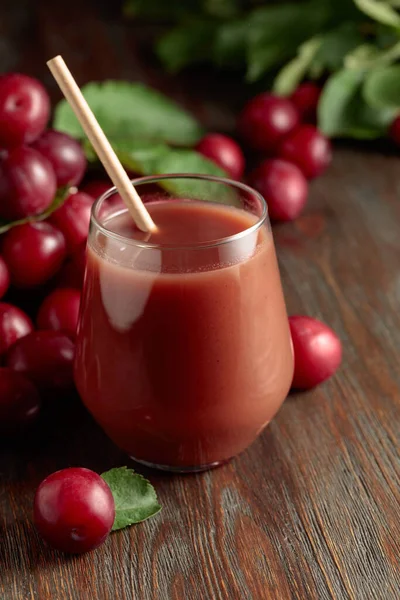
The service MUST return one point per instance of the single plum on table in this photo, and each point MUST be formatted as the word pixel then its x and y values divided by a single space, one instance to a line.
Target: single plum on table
pixel 74 510
pixel 317 351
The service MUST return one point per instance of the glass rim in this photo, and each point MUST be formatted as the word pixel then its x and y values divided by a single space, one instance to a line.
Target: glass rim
pixel 138 181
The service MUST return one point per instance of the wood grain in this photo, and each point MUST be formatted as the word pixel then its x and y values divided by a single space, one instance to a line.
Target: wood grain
pixel 311 511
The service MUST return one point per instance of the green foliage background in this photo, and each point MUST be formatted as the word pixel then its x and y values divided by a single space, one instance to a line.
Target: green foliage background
pixel 353 45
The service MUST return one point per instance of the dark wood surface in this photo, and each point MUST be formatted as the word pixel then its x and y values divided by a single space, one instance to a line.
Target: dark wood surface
pixel 312 510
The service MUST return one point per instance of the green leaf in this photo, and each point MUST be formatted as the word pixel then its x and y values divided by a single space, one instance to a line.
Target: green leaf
pixel 362 57
pixel 382 88
pixel 342 111
pixel 59 199
pixel 186 44
pixel 336 102
pixel 150 159
pixel 336 45
pixel 385 36
pixel 131 109
pixel 369 56
pixel 231 43
pixel 369 123
pixel 379 11
pixel 140 156
pixel 189 161
pixel 146 158
pixel 290 76
pixel 134 496
pixel 277 32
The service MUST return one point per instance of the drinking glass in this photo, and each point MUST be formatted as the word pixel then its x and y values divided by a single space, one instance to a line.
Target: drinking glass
pixel 183 350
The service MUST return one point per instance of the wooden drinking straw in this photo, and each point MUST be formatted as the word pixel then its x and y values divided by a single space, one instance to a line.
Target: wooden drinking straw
pixel 100 143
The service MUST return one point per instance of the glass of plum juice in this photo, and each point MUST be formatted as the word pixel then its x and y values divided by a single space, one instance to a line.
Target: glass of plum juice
pixel 183 349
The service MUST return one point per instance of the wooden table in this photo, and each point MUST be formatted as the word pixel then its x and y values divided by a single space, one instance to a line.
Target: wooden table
pixel 312 510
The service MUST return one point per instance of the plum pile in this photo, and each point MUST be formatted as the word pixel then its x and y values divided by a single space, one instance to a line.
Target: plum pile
pixel 38 254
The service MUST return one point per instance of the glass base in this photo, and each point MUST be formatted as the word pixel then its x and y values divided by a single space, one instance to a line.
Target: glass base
pixel 181 470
